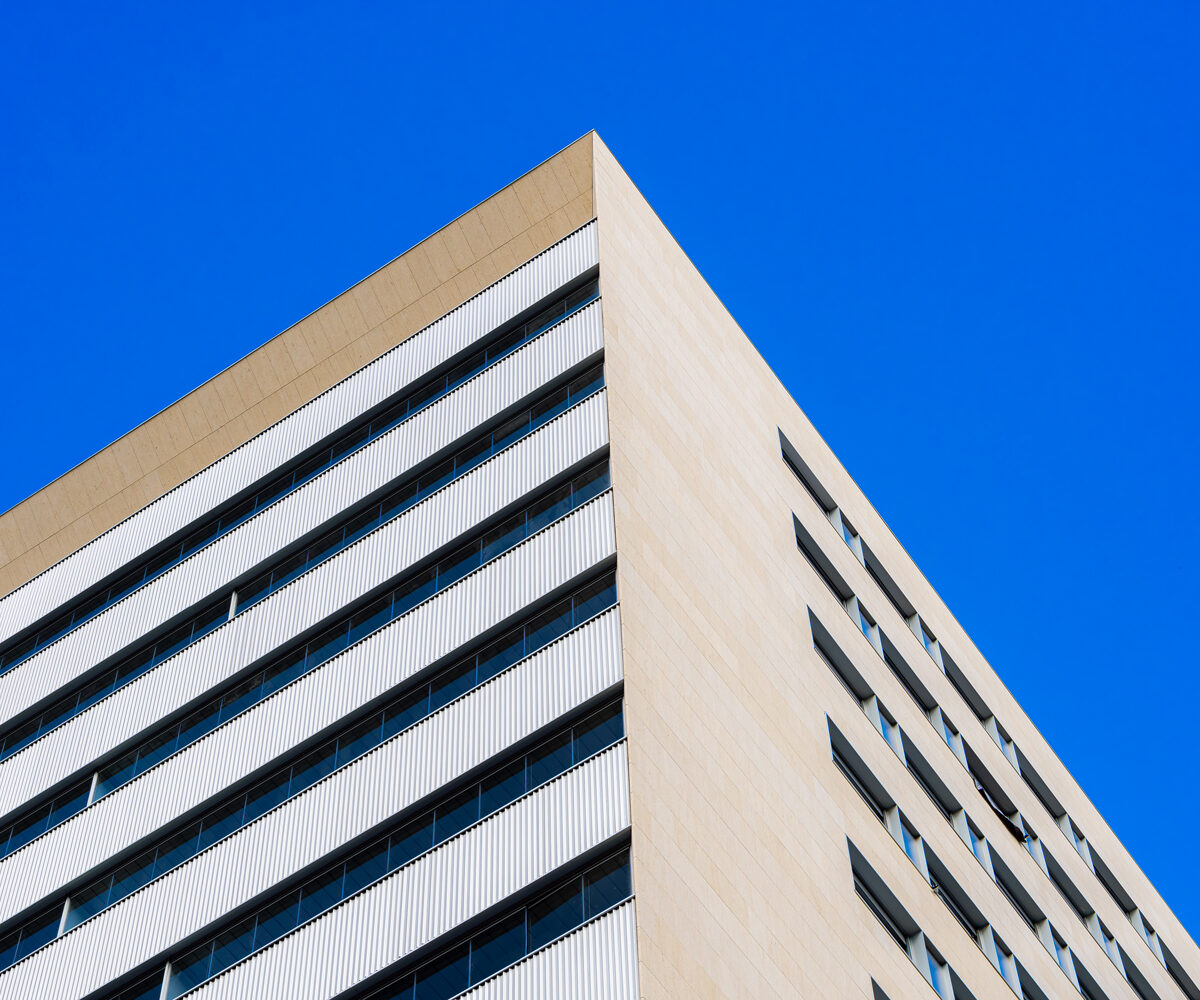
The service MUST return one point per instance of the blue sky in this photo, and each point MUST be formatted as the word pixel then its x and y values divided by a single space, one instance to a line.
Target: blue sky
pixel 966 240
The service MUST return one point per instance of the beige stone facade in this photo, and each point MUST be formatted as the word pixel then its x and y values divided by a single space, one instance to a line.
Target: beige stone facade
pixel 742 871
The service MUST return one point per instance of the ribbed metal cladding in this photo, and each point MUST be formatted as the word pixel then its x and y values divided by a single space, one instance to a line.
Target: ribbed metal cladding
pixel 596 962
pixel 311 704
pixel 436 893
pixel 213 569
pixel 343 806
pixel 328 587
pixel 301 429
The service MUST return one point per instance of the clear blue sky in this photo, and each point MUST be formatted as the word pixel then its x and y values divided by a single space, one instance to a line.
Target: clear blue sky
pixel 966 240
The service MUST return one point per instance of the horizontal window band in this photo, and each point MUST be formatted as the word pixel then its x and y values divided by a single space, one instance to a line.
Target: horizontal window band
pixel 408 839
pixel 355 624
pixel 347 443
pixel 310 766
pixel 216 612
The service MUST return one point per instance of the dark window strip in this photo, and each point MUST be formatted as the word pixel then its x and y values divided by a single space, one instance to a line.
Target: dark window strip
pixel 355 625
pixel 347 443
pixel 405 842
pixel 216 613
pixel 286 782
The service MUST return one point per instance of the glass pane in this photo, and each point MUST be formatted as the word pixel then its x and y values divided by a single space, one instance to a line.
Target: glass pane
pixel 446 976
pixel 137 664
pixel 312 768
pixel 254 590
pixel 449 684
pixel 284 670
pixel 31 825
pixel 506 343
pixel 548 626
pixel 365 867
pixel 22 735
pixel 399 501
pixel 510 431
pixel 360 524
pixel 172 642
pixel 465 369
pixel 241 697
pixel 549 406
pixel 543 319
pixel 269 494
pixel 115 774
pixel 149 988
pixel 457 565
pixel 476 452
pixel 87 901
pixel 599 730
pixel 327 644
pixel 554 915
pixel 288 570
pixel 190 970
pixel 405 844
pixel 503 537
pixel 497 947
pixel 155 749
pixel 426 394
pixel 59 712
pixel 401 714
pixel 457 814
pixel 127 583
pixel 321 893
pixel 233 945
pixel 38 931
pixel 68 803
pixel 550 759
pixel 606 885
pixel 94 691
pixel 132 876
pixel 436 478
pixel 312 466
pixel 275 919
pixel 176 849
pixel 592 482
pixel 221 821
pixel 360 739
pixel 595 598
pixel 210 619
pixel 267 794
pixel 502 653
pixel 413 592
pixel 351 442
pixel 501 787
pixel 389 418
pixel 366 621
pixel 8 948
pixel 587 383
pixel 198 723
pixel 548 508
pixel 325 546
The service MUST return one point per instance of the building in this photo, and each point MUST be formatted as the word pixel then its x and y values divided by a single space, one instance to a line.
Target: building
pixel 317 684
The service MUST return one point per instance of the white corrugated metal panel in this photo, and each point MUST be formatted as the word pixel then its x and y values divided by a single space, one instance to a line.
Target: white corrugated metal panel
pixel 301 429
pixel 310 705
pixel 437 893
pixel 596 962
pixel 311 598
pixel 213 569
pixel 324 818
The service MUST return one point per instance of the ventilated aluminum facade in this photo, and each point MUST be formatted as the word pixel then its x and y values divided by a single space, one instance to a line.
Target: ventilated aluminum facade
pixel 299 431
pixel 501 858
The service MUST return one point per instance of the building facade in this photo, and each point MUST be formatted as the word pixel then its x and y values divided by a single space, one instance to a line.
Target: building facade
pixel 504 629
